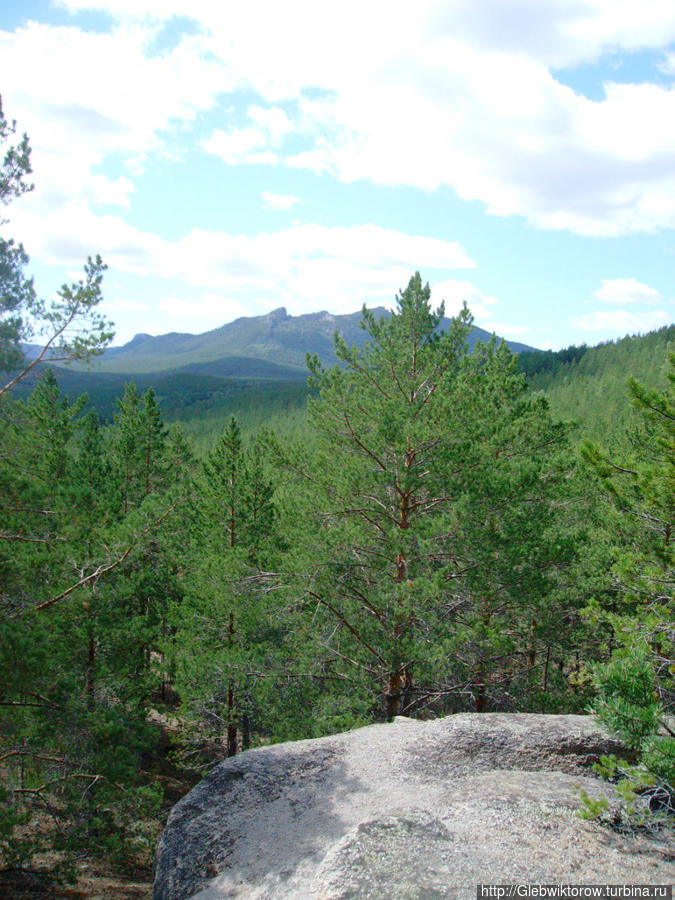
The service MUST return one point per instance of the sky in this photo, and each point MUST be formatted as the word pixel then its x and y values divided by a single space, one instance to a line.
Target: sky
pixel 226 159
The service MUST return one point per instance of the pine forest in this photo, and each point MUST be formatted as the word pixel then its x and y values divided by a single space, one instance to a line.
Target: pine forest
pixel 417 530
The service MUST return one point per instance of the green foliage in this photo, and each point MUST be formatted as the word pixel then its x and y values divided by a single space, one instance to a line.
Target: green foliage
pixel 628 703
pixel 549 362
pixel 641 802
pixel 592 807
pixel 16 291
pixel 658 757
pixel 590 386
pixel 137 452
pixel 636 688
pixel 642 490
pixel 200 403
pixel 16 163
pixel 85 584
pixel 431 546
pixel 420 542
pixel 228 634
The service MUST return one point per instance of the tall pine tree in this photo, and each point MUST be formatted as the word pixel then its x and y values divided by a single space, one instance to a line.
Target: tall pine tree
pixel 416 499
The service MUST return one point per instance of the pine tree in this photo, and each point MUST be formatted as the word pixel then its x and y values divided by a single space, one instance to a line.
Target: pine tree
pixel 636 689
pixel 413 510
pixel 153 444
pixel 69 327
pixel 127 451
pixel 84 588
pixel 224 625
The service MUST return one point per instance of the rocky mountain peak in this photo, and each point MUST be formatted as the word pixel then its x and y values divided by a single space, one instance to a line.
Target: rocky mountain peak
pixel 277 315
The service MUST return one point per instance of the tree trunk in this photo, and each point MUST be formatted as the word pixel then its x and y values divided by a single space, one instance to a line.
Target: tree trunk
pixel 398 677
pixel 394 695
pixel 231 711
pixel 90 673
pixel 480 697
pixel 231 723
pixel 532 651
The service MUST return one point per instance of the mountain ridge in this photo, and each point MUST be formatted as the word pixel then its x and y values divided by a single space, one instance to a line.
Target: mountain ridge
pixel 238 368
pixel 275 337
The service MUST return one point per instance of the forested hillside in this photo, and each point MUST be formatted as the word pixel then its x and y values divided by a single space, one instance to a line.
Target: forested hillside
pixel 585 385
pixel 588 384
pixel 200 402
pixel 263 380
pixel 430 541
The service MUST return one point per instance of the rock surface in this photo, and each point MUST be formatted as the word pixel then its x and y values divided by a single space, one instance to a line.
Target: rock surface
pixel 414 810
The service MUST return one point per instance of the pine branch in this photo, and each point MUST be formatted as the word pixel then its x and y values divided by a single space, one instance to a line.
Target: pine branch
pixel 29 540
pixel 103 569
pixel 341 619
pixel 359 443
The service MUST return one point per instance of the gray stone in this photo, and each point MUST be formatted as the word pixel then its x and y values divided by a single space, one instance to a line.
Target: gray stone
pixel 414 810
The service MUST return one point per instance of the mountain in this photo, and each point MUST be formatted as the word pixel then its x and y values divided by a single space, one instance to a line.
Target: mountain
pixel 277 341
pixel 584 384
pixel 253 368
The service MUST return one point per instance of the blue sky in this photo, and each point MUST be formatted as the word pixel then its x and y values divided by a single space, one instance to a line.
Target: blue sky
pixel 227 159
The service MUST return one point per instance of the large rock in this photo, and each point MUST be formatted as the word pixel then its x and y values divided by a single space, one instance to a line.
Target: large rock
pixel 409 810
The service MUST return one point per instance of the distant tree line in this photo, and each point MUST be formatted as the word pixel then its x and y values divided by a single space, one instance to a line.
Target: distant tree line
pixel 535 362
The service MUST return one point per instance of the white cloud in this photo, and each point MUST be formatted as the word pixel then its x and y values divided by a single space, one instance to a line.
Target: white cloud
pixel 273 121
pixel 256 143
pixel 622 321
pixel 619 292
pixel 122 304
pixel 279 201
pixel 206 311
pixel 73 232
pixel 302 266
pixel 626 290
pixel 558 33
pixel 501 130
pixel 241 145
pixel 106 90
pixel 458 94
pixel 455 293
pixel 84 97
pixel 103 190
